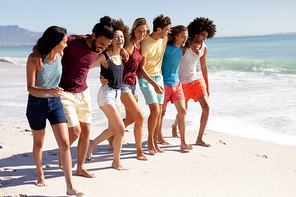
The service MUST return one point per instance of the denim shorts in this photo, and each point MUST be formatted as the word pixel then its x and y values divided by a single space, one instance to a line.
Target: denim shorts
pixel 126 89
pixel 148 90
pixel 108 95
pixel 40 109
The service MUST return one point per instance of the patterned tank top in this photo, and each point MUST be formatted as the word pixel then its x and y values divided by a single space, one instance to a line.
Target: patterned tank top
pixel 131 67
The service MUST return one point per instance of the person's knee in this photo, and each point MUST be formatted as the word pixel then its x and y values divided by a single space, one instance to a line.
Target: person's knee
pixel 85 130
pixel 182 112
pixel 154 111
pixel 38 144
pixel 64 145
pixel 206 108
pixel 163 112
pixel 139 117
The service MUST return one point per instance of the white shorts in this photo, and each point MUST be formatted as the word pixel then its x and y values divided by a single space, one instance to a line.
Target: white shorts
pixel 77 107
pixel 108 95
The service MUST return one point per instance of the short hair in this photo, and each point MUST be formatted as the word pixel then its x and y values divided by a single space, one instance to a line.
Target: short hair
pixel 174 32
pixel 104 28
pixel 52 36
pixel 201 24
pixel 137 23
pixel 119 25
pixel 161 22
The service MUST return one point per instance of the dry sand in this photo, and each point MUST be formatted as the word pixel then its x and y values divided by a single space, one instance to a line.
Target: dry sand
pixel 231 167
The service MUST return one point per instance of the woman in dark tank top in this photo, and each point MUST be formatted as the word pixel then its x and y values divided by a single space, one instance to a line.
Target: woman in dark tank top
pixel 109 94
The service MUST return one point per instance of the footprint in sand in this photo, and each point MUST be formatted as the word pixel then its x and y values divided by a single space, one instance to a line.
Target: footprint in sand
pixel 7 169
pixel 221 142
pixel 262 156
pixel 20 155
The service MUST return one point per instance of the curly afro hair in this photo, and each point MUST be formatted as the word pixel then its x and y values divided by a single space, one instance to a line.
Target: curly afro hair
pixel 201 24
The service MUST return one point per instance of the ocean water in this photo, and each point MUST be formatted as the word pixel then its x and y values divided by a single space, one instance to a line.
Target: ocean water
pixel 252 88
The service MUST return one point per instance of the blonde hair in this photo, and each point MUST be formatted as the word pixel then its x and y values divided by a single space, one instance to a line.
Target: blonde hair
pixel 137 23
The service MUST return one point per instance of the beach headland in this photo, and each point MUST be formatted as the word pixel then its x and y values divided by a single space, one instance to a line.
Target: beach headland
pixel 233 166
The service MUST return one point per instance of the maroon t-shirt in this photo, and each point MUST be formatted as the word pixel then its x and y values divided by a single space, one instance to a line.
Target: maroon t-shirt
pixel 76 62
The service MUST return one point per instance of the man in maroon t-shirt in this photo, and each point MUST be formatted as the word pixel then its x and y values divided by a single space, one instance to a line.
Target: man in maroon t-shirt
pixel 78 56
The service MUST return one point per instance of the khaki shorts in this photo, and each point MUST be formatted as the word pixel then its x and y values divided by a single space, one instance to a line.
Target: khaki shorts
pixel 77 107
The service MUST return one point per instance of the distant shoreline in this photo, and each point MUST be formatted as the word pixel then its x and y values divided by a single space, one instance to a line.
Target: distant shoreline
pixel 276 34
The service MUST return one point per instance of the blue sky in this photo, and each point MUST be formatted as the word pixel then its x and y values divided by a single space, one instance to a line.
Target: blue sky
pixel 232 17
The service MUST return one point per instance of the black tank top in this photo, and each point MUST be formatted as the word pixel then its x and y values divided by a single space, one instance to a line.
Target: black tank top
pixel 113 73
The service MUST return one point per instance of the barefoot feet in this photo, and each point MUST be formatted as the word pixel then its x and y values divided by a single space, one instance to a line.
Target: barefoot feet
pixel 163 142
pixel 40 181
pixel 141 156
pixel 186 147
pixel 118 166
pixel 202 143
pixel 73 191
pixel 85 173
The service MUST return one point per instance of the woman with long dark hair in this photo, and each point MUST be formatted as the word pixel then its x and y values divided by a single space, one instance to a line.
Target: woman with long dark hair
pixel 44 102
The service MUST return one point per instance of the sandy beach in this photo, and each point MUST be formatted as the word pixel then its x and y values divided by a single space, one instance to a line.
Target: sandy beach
pixel 233 166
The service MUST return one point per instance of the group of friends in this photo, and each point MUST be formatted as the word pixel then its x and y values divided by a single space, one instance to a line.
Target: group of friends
pixel 163 63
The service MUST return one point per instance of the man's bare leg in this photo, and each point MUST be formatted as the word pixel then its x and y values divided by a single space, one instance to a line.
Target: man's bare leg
pixel 203 100
pixel 174 127
pixel 180 106
pixel 82 131
pixel 160 138
pixel 152 127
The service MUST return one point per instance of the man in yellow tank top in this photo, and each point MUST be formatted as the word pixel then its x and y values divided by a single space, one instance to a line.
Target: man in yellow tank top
pixel 151 81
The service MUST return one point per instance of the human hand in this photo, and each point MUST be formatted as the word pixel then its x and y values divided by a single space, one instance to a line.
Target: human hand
pixel 36 59
pixel 124 55
pixel 158 89
pixel 56 91
pixel 103 80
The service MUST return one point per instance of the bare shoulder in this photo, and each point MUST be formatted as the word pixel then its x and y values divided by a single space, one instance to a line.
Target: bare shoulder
pixel 129 47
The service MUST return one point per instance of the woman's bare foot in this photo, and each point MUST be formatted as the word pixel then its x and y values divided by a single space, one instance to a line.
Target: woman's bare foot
pixel 85 173
pixel 110 140
pixel 163 142
pixel 72 192
pixel 159 150
pixel 202 143
pixel 118 166
pixel 186 147
pixel 90 150
pixel 141 156
pixel 151 149
pixel 174 131
pixel 40 181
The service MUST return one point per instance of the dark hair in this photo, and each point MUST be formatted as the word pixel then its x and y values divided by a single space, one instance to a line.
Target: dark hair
pixel 161 22
pixel 104 28
pixel 201 24
pixel 119 25
pixel 50 38
pixel 174 32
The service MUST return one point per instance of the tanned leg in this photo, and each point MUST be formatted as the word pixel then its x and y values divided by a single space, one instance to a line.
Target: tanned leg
pixel 38 139
pixel 134 114
pixel 203 100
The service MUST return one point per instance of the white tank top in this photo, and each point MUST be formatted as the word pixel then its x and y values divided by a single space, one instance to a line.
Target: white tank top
pixel 188 70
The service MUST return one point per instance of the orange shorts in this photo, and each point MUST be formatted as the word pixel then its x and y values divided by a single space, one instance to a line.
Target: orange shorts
pixel 194 89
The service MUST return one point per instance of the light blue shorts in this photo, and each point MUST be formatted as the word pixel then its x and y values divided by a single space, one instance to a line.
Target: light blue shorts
pixel 148 90
pixel 108 95
pixel 126 89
